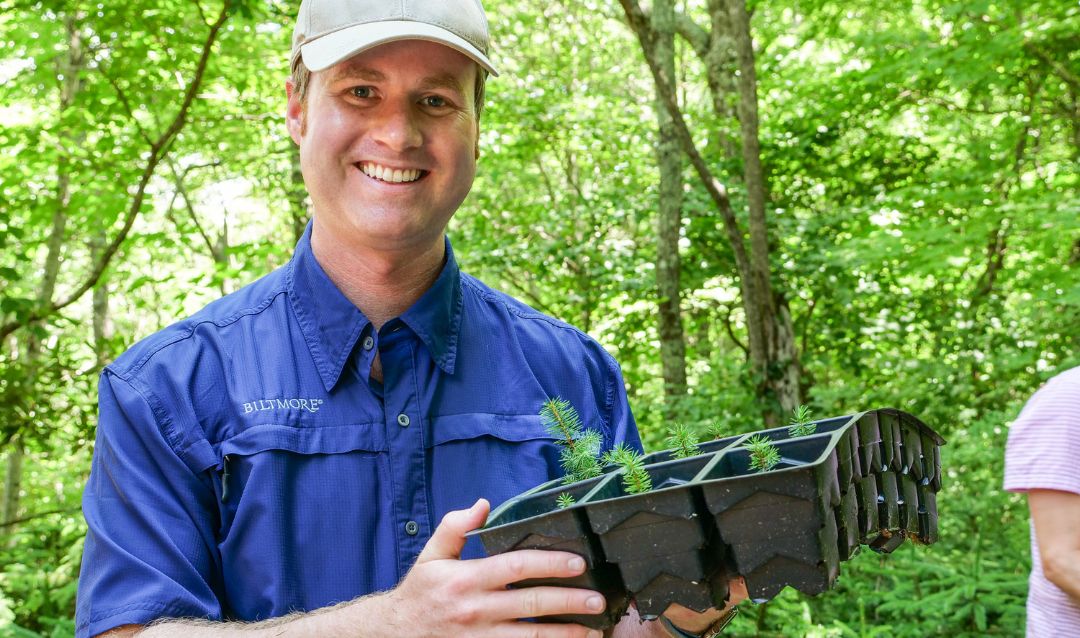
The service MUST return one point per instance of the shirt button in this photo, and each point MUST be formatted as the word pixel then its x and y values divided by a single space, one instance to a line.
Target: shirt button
pixel 403 420
pixel 411 528
pixel 369 343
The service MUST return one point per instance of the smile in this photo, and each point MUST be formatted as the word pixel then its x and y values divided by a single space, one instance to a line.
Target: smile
pixel 391 175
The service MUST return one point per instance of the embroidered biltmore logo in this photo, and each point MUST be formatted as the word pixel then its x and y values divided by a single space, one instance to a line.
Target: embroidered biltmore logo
pixel 262 405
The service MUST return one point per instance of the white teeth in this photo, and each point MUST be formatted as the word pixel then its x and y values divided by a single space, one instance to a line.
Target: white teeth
pixel 394 176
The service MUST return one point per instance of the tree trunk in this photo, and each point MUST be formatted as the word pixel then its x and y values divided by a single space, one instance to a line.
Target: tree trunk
pixel 771 334
pixel 774 358
pixel 69 68
pixel 102 329
pixel 668 224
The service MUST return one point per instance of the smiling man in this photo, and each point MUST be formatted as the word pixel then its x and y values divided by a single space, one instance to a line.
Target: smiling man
pixel 305 456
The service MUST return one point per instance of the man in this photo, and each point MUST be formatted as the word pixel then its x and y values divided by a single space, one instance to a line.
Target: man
pixel 1041 459
pixel 285 453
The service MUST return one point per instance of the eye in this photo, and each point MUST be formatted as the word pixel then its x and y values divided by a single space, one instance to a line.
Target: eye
pixel 435 101
pixel 361 91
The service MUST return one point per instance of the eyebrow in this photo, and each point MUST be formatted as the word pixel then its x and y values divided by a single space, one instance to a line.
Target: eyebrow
pixel 437 81
pixel 357 73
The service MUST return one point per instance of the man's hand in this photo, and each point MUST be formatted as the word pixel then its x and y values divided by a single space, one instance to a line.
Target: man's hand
pixel 445 596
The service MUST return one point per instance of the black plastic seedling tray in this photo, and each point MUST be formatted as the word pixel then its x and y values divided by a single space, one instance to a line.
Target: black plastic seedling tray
pixel 864 479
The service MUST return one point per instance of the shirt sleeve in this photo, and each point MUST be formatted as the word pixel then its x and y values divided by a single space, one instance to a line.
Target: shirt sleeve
pixel 150 547
pixel 621 422
pixel 1043 450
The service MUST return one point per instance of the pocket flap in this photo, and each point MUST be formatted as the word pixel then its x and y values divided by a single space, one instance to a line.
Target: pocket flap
pixel 508 427
pixel 337 439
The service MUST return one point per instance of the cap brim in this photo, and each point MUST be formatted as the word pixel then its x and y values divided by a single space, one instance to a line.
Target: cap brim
pixel 328 50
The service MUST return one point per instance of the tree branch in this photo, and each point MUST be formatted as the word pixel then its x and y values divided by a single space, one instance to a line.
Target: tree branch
pixel 639 22
pixel 1059 69
pixel 178 180
pixel 16 521
pixel 731 331
pixel 695 36
pixel 158 149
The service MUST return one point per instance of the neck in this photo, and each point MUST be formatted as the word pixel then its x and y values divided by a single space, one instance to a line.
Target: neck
pixel 381 283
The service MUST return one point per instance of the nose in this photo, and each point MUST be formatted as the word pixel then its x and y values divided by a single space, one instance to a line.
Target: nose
pixel 397 128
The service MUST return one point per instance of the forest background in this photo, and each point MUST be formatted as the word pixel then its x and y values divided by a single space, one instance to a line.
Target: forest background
pixel 873 204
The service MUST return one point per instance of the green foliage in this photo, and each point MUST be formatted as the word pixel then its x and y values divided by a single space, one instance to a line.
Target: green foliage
pixel 682 441
pixel 580 448
pixel 763 453
pixel 635 478
pixel 800 424
pixel 564 500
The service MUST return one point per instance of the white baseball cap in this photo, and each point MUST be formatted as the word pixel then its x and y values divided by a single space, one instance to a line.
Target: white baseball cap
pixel 329 31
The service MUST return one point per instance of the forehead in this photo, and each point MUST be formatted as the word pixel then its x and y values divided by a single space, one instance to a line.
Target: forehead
pixel 408 61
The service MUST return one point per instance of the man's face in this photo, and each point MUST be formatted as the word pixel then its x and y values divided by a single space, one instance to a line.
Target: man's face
pixel 388 143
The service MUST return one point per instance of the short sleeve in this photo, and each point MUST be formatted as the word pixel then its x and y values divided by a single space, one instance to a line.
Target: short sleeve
pixel 620 418
pixel 1043 450
pixel 150 547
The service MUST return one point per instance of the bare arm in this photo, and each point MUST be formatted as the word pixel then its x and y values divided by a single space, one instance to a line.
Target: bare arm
pixel 440 596
pixel 1057 518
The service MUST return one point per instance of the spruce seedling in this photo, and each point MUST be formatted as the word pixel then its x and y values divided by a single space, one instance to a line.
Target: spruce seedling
pixel 800 424
pixel 763 454
pixel 580 447
pixel 682 441
pixel 564 500
pixel 635 479
pixel 716 430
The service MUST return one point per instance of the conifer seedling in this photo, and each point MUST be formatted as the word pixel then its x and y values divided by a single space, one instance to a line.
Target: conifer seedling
pixel 716 430
pixel 580 447
pixel 682 442
pixel 564 500
pixel 800 424
pixel 635 479
pixel 763 454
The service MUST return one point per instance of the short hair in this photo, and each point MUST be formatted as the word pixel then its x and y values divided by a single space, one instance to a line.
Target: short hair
pixel 301 78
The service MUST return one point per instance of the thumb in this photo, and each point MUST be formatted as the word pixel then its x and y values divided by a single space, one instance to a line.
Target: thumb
pixel 449 537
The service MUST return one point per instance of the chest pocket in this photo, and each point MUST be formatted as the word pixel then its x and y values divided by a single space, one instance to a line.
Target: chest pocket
pixel 493 456
pixel 301 516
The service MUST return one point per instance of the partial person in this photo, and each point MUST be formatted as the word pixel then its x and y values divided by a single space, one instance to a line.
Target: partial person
pixel 279 463
pixel 1042 459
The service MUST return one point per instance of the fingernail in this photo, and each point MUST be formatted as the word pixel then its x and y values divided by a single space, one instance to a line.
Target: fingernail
pixel 594 634
pixel 576 564
pixel 595 603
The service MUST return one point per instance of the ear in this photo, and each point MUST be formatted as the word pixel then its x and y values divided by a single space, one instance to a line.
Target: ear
pixel 294 113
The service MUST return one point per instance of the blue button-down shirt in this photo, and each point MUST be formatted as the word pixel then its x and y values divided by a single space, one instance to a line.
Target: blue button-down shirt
pixel 247 466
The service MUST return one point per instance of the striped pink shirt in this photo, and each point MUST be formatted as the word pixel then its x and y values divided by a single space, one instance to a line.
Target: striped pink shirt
pixel 1044 453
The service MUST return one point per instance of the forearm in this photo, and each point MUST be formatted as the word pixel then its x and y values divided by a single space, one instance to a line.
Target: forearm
pixel 1056 516
pixel 1064 571
pixel 370 616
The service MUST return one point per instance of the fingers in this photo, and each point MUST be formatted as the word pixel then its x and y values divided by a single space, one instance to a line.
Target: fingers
pixel 536 602
pixel 449 537
pixel 550 630
pixel 496 572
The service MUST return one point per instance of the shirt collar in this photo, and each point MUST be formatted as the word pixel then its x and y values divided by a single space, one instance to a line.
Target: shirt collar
pixel 331 324
pixel 436 316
